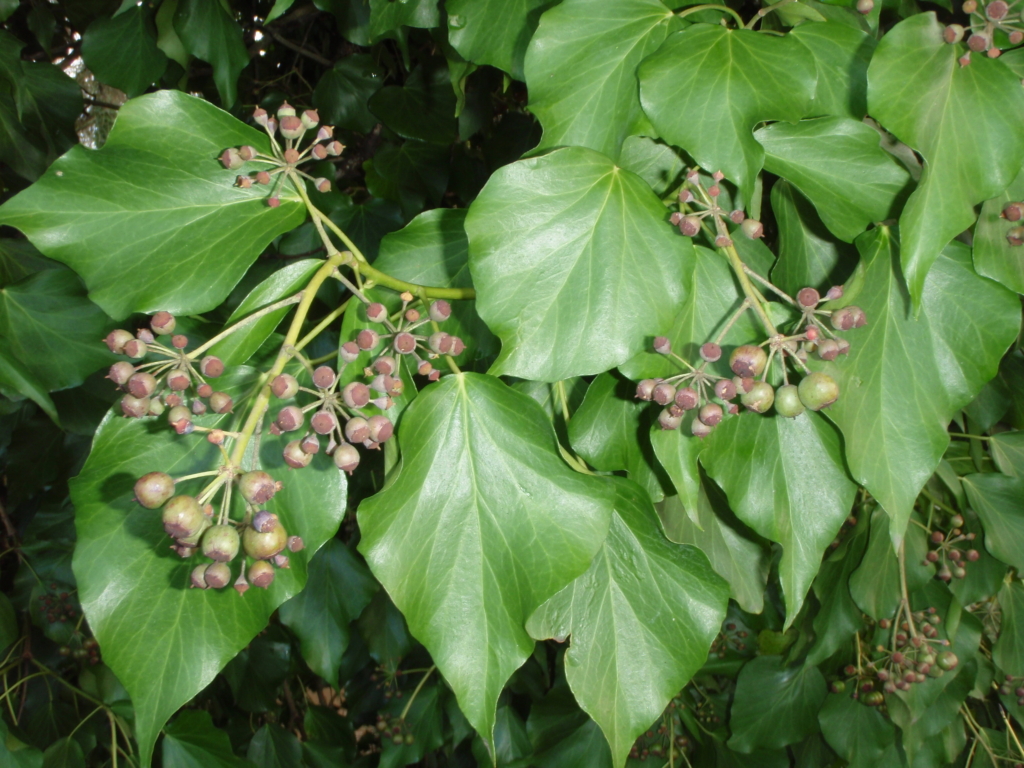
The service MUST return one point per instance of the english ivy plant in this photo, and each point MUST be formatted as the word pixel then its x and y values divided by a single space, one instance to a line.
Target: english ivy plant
pixel 541 383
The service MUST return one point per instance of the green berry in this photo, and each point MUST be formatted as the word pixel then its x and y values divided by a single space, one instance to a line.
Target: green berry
pixel 162 323
pixel 198 577
pixel 295 457
pixel 748 361
pixel 264 545
pixel 221 543
pixel 221 402
pixel 346 457
pixel 261 574
pixel 787 401
pixel 135 407
pixel 759 397
pixel 948 660
pixel 818 390
pixel 153 489
pixel 257 487
pixel 217 575
pixel 183 517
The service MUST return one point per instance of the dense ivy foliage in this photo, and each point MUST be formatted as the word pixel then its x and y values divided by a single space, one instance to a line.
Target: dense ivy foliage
pixel 554 383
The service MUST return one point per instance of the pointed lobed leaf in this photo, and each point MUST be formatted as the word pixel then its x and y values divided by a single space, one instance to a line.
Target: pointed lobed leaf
pixel 860 735
pixel 641 619
pixel 16 381
pixel 574 264
pixel 840 166
pixel 209 32
pixel 993 255
pixel 841 53
pixel 965 121
pixel 707 87
pixel 581 70
pixel 1008 452
pixel 904 379
pixel 656 163
pixel 342 93
pixel 482 524
pixel 388 17
pixel 422 108
pixel 192 741
pixel 999 502
pixel 152 220
pixel 839 618
pixel 164 641
pixel 785 479
pixel 1008 653
pixel 875 583
pixel 494 32
pixel 121 51
pixel 678 452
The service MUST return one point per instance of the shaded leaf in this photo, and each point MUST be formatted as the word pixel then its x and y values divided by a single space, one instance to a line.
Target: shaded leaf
pixel 208 32
pixel 423 108
pixel 192 741
pixel 655 163
pixel 875 584
pixel 274 747
pixel 388 17
pixel 1008 653
pixel 562 734
pixel 993 255
pixel 1008 452
pixel 859 734
pixel 16 381
pixel 342 93
pixel 839 617
pixel 494 32
pixel 999 502
pixel 122 51
pixel 842 53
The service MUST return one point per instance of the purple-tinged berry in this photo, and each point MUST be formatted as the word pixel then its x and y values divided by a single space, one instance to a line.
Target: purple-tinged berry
pixel 367 339
pixel 257 487
pixel 1014 237
pixel 324 422
pixel 440 311
pixel 440 343
pixel 294 456
pixel 197 579
pixel 699 429
pixel 310 444
pixel 162 323
pixel 261 574
pixel 356 395
pixel 284 386
pixel 759 397
pixel 221 543
pixel 231 159
pixel 663 394
pixel 737 216
pixel 357 430
pixel 662 345
pixel 405 343
pixel 818 390
pixel 135 349
pixel 645 389
pixel 689 225
pixel 211 366
pixel 346 458
pixel 669 420
pixel 179 380
pixel 324 377
pixel 221 402
pixel 376 312
pixel 381 428
pixel 296 544
pixel 807 298
pixel 686 398
pixel 290 418
pixel 952 34
pixel 217 575
pixel 748 361
pixel 119 373
pixel 828 349
pixel 135 407
pixel 322 185
pixel 725 389
pixel 710 414
pixel 711 352
pixel 183 518
pixel 116 340
pixel 153 489
pixel 752 228
pixel 265 542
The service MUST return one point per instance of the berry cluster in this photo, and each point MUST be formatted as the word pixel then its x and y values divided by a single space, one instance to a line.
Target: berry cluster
pixel 730 636
pixel 1014 685
pixel 395 728
pixel 173 381
pixel 667 735
pixel 706 200
pixel 288 158
pixel 985 22
pixel 57 606
pixel 1014 212
pixel 953 562
pixel 86 650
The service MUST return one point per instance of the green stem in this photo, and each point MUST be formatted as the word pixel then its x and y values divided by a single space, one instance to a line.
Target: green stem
pixel 712 7
pixel 244 322
pixel 748 288
pixel 408 704
pixel 322 324
pixel 765 11
pixel 903 587
pixel 972 437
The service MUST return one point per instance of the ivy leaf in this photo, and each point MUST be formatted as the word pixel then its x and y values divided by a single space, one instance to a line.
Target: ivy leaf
pixel 452 537
pixel 424 723
pixel 654 162
pixel 736 558
pixel 388 17
pixel 785 479
pixel 775 705
pixel 606 432
pixel 145 219
pixel 274 747
pixel 16 380
pixel 678 452
pixel 164 641
pixel 562 734
pixel 209 33
pixel 707 87
pixel 338 588
pixel 581 65
pixel 629 656
pixel 192 741
pixel 919 92
pixel 993 255
pixel 999 502
pixel 1008 452
pixel 565 250
pixel 494 32
pixel 342 93
pixel 860 735
pixel 904 379
pixel 53 329
pixel 875 583
pixel 414 174
pixel 122 51
pixel 840 166
pixel 842 54
pixel 423 108
pixel 808 253
pixel 1008 653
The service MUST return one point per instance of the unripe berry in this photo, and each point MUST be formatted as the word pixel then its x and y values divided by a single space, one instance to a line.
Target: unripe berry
pixel 973 555
pixel 759 398
pixel 135 407
pixel 197 578
pixel 711 352
pixel 296 544
pixel 324 377
pixel 787 401
pixel 135 349
pixel 948 660
pixel 291 127
pixel 355 395
pixel 742 383
pixel 367 339
pixel 385 364
pixel 818 390
pixel 662 345
pixel 686 398
pixel 284 386
pixel 376 312
pixel 997 10
pixel 310 444
pixel 748 361
pixel 405 343
pixel 295 457
pixel 458 346
pixel 183 517
pixel 221 543
pixel 737 216
pixel 440 311
pixel 711 414
pixel 290 418
pixel 645 389
pixel 753 228
pixel 440 343
pixel 844 346
pixel 141 384
pixel 177 415
pixel 954 33
pixel 204 390
pixel 179 380
pixel 221 402
pixel 116 340
pixel 663 393
pixel 381 428
pixel 848 317
pixel 211 366
pixel 357 430
pixel 977 43
pixel 162 323
pixel 217 575
pixel 261 574
pixel 970 6
pixel 699 429
pixel 725 389
pixel 346 457
pixel 179 341
pixel 257 487
pixel 1016 37
pixel 153 489
pixel 689 225
pixel 324 422
pixel 264 544
pixel 1014 237
pixel 828 349
pixel 120 373
pixel 667 420
pixel 230 159
pixel 808 297
pixel 322 185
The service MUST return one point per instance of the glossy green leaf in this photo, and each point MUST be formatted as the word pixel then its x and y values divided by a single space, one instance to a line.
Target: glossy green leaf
pixel 342 93
pixel 785 479
pixel 367 223
pixel 338 588
pixel 64 753
pixel 606 432
pixel 384 630
pixel 808 253
pixel 192 741
pixel 708 86
pixel 565 250
pixel 152 221
pixel 562 734
pixel 494 32
pixel 164 641
pixel 208 32
pixel 167 39
pixel 737 558
pixel 859 734
pixel 993 255
pixel 838 164
pixel 388 16
pixel 19 258
pixel 875 584
pixel 842 54
pixel 1008 452
pixel 628 656
pixel 16 147
pixel 17 381
pixel 678 451
pixel 1008 652
pixel 654 162
pixel 919 92
pixel 275 747
pixel 904 379
pixel 838 618
pixel 775 705
pixel 452 537
pixel 423 722
pixel 999 502
pixel 423 108
pixel 122 51
pixel 53 329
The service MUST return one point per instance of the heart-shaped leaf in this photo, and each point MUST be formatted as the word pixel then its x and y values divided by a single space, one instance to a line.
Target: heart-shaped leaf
pixel 904 379
pixel 964 120
pixel 1008 452
pixel 152 220
pixel 860 735
pixel 573 263
pixel 494 32
pixel 453 535
pixel 209 32
pixel 629 656
pixel 999 502
pixel 121 51
pixel 707 87
pixel 842 53
pixel 342 93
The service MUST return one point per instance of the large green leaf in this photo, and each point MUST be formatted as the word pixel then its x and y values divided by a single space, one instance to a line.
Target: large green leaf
pixel 387 17
pixel 53 329
pixel 16 382
pixel 574 264
pixel 208 32
pixel 775 705
pixel 494 32
pixel 152 221
pixel 842 53
pixel 1008 452
pixel 739 560
pixel 993 255
pixel 1008 653
pixel 338 588
pixel 422 108
pixel 481 525
pixel 678 451
pixel 656 163
pixel 562 735
pixel 581 70
pixel 629 655
pixel 342 93
pixel 191 741
pixel 708 86
pixel 164 641
pixel 785 479
pixel 919 92
pixel 859 734
pixel 121 51
pixel 838 164
pixel 839 618
pixel 904 379
pixel 999 502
